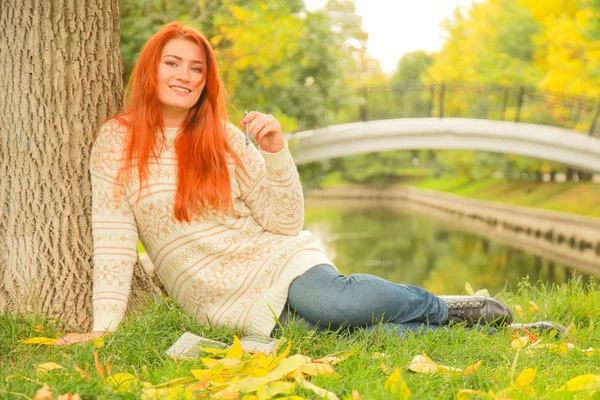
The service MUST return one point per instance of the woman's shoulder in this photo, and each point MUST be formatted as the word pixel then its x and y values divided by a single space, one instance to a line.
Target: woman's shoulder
pixel 111 135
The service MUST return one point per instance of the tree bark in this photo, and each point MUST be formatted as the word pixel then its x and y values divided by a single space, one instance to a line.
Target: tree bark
pixel 60 75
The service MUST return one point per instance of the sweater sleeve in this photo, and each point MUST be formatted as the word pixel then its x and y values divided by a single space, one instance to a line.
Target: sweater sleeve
pixel 114 231
pixel 270 187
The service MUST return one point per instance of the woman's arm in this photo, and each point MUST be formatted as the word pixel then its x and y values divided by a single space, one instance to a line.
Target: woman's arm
pixel 114 231
pixel 271 188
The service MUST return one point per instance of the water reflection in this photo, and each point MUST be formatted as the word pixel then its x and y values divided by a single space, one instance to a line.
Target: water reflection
pixel 383 239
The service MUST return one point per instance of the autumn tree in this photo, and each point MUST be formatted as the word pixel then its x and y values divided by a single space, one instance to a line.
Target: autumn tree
pixel 60 77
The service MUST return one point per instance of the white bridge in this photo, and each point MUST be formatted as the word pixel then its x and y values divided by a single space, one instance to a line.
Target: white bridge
pixel 562 145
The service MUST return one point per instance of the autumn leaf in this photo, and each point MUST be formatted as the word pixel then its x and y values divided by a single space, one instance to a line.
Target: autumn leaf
pixel 356 395
pixel 99 366
pixel 581 382
pixel 519 342
pixel 395 384
pixel 236 349
pixel 83 374
pixel 122 382
pixel 525 377
pixel 39 340
pixel 275 388
pixel 44 393
pixel 464 394
pixel 318 390
pixel 424 364
pixel 49 366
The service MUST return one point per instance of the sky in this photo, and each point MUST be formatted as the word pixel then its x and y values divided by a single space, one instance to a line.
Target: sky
pixel 396 27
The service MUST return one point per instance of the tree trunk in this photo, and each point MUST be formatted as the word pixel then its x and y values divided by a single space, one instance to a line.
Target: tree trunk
pixel 60 74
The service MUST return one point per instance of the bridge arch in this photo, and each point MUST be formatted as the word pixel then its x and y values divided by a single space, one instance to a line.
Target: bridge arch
pixel 540 141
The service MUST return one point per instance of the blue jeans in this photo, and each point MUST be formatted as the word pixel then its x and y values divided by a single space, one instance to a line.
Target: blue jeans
pixel 324 298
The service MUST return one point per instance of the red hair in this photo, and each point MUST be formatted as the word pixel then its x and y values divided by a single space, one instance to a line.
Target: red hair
pixel 203 179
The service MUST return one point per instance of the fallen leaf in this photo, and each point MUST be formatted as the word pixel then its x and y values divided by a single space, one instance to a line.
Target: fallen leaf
pixel 83 374
pixel 519 342
pixel 68 396
pixel 122 382
pixel 581 382
pixel 98 342
pixel 464 394
pixel 318 390
pixel 519 311
pixel 99 366
pixel 356 395
pixel 482 292
pixel 472 368
pixel 44 393
pixel 174 382
pixel 424 364
pixel 469 289
pixel 533 307
pixel 39 328
pixel 274 388
pixel 49 366
pixel 39 340
pixel 396 385
pixel 525 377
pixel 315 369
pixel 236 349
pixel 177 393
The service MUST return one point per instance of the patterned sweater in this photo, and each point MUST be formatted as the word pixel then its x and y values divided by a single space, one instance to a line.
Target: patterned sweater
pixel 232 269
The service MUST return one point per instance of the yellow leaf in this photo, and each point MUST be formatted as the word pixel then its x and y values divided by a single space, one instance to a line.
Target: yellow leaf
pixel 525 377
pixel 464 394
pixel 581 382
pixel 274 388
pixel 533 307
pixel 482 292
pixel 519 342
pixel 426 365
pixel 285 367
pixel 395 384
pixel 519 310
pixel 472 368
pixel 122 382
pixel 176 393
pixel 225 395
pixel 174 382
pixel 49 366
pixel 469 289
pixel 356 395
pixel 236 349
pixel 319 391
pixel 39 340
pixel 317 369
pixel 98 342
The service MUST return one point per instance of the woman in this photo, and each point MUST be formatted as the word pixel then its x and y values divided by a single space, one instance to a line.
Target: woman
pixel 220 219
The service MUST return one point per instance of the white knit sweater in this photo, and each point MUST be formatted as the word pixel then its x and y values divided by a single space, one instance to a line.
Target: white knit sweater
pixel 229 269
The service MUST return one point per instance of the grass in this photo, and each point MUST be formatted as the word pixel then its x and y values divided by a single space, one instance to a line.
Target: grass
pixel 139 344
pixel 572 197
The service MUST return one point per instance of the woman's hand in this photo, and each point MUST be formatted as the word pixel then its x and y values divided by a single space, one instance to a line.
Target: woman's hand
pixel 266 129
pixel 78 338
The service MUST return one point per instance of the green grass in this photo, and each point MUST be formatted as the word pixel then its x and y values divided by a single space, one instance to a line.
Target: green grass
pixel 572 197
pixel 139 344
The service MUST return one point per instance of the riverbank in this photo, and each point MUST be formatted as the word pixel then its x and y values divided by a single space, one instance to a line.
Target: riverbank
pixel 581 198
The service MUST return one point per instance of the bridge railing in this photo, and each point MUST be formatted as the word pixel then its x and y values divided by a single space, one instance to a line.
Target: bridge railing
pixel 480 101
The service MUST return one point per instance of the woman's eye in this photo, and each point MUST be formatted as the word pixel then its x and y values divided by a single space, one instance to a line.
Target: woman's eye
pixel 171 63
pixel 197 69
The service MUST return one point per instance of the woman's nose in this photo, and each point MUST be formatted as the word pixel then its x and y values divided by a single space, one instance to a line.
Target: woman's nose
pixel 183 74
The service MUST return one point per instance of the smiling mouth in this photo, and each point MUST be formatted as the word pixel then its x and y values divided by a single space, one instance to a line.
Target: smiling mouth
pixel 180 89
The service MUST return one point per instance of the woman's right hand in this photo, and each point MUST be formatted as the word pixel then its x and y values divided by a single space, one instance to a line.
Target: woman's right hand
pixel 78 338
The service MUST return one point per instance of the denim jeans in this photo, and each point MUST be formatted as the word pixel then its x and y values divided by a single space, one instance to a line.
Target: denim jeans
pixel 324 298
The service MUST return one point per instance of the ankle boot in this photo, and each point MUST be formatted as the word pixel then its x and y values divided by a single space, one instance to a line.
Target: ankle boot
pixel 474 310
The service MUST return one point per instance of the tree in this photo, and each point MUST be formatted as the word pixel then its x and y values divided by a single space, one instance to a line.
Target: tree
pixel 411 67
pixel 61 76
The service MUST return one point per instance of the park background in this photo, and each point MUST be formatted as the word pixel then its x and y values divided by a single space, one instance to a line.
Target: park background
pixel 308 67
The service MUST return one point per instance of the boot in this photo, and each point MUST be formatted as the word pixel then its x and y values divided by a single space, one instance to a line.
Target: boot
pixel 474 310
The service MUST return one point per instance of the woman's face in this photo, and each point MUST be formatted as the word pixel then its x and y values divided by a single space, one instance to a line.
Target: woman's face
pixel 181 78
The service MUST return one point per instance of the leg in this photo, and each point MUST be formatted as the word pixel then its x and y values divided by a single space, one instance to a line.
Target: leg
pixel 324 295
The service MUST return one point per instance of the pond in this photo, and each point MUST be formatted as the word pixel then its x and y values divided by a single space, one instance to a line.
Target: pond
pixel 383 238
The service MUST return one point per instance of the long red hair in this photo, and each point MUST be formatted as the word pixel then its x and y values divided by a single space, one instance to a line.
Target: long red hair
pixel 203 180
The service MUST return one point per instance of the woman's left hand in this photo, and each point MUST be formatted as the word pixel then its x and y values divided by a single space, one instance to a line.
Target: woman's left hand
pixel 266 129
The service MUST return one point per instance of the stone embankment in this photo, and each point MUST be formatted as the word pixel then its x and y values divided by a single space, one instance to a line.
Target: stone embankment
pixel 561 237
